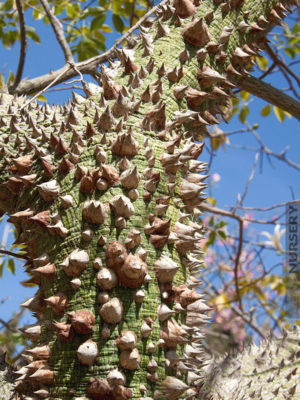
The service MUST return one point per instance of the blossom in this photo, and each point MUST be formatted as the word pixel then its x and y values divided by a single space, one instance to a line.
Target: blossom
pixel 247 223
pixel 215 178
pixel 275 238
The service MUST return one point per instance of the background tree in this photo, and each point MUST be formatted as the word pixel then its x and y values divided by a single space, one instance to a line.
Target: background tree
pixel 284 102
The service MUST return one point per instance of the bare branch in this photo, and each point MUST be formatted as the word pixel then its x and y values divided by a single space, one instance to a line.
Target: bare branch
pixel 247 185
pixel 280 156
pixel 280 62
pixel 229 214
pixel 132 13
pixel 7 326
pixel 249 321
pixel 23 44
pixel 58 30
pixel 271 207
pixel 44 89
pixel 268 71
pixel 85 67
pixel 10 253
pixel 269 93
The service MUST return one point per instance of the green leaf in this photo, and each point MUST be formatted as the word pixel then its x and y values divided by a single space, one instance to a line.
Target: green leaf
pixel 94 11
pixel 262 62
pixel 244 95
pixel 211 238
pixel 235 101
pixel 243 114
pixel 215 142
pixel 290 52
pixel 10 79
pixel 221 224
pixel 106 28
pixel 37 13
pixel 222 234
pixel 42 98
pixel 265 111
pixel 1 267
pixel 8 5
pixel 118 23
pixel 116 7
pixel 97 22
pixel 212 201
pixel 34 36
pixel 280 114
pixel 73 10
pixel 11 266
pixel 60 6
pixel 70 9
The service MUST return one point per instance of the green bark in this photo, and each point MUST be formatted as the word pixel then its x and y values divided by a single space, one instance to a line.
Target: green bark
pixel 161 131
pixel 267 371
pixel 6 379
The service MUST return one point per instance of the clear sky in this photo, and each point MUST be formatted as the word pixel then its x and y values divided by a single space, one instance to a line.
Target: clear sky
pixel 274 182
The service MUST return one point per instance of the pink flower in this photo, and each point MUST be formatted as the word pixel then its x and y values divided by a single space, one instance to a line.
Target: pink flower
pixel 247 223
pixel 215 178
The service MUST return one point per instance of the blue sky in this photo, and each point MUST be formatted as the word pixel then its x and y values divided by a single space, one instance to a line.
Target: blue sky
pixel 275 183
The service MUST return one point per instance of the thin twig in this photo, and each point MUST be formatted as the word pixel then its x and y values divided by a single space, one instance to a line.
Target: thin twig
pixel 10 253
pixel 291 86
pixel 278 61
pixel 271 207
pixel 7 326
pixel 249 321
pixel 58 30
pixel 222 134
pixel 280 156
pixel 85 67
pixel 132 13
pixel 65 88
pixel 267 72
pixel 247 185
pixel 218 211
pixel 23 44
pixel 44 90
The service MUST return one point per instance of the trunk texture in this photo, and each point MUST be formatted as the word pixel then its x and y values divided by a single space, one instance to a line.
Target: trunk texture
pixel 268 371
pixel 104 192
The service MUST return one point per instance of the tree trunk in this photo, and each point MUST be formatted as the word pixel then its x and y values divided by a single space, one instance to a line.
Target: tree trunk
pixel 104 192
pixel 267 371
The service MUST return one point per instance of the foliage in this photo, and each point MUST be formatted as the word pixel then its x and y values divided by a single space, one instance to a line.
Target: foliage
pixel 85 23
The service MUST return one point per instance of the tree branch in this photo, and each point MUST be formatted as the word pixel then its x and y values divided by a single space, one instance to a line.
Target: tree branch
pixel 132 13
pixel 85 67
pixel 229 214
pixel 240 201
pixel 269 93
pixel 271 207
pixel 279 62
pixel 249 321
pixel 58 30
pixel 7 326
pixel 10 253
pixel 23 44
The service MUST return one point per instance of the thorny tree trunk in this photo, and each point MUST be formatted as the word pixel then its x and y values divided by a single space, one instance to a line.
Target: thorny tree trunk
pixel 104 192
pixel 267 371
